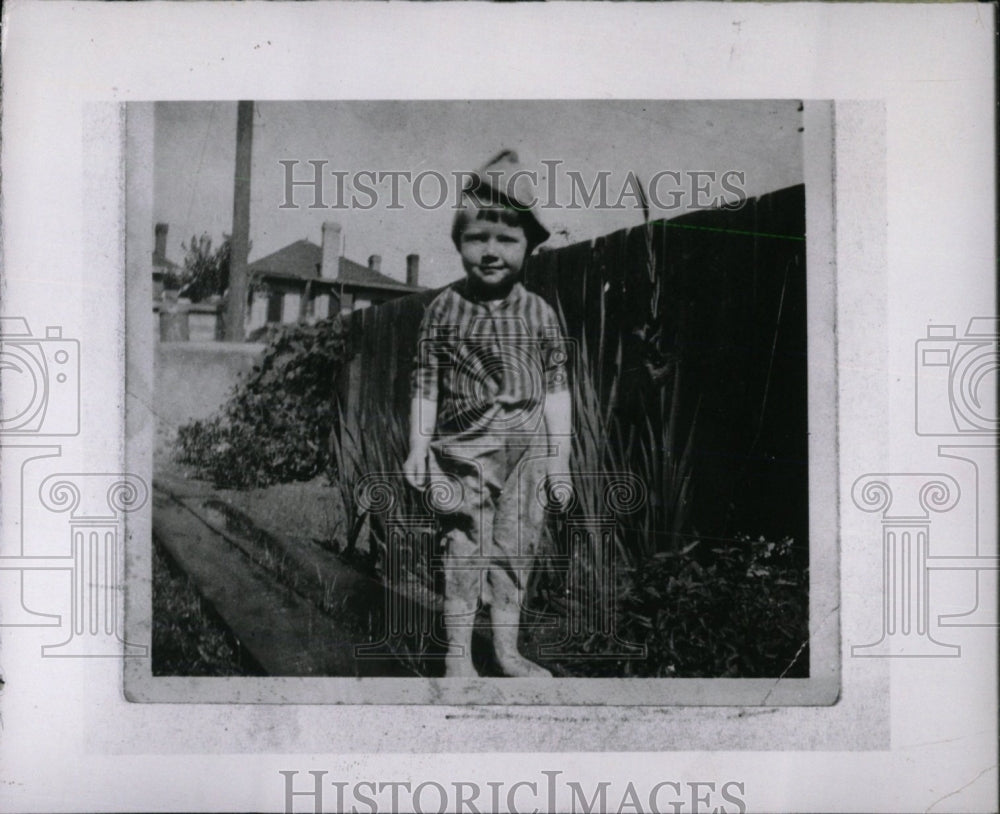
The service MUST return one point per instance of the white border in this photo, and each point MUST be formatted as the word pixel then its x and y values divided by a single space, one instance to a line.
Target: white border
pixel 71 742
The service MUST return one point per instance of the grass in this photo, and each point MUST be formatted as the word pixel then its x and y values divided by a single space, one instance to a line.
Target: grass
pixel 189 638
pixel 308 509
pixel 368 455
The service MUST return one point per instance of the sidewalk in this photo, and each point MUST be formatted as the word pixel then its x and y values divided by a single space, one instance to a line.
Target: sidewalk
pixel 297 608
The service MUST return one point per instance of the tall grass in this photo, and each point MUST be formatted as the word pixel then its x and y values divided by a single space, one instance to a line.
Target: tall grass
pixel 387 530
pixel 729 608
pixel 626 425
pixel 368 453
pixel 646 440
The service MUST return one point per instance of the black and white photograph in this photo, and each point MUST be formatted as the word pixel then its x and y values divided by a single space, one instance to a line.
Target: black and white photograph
pixel 486 390
pixel 495 407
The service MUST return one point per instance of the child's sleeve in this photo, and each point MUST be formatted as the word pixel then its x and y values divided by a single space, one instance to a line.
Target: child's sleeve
pixel 555 355
pixel 424 378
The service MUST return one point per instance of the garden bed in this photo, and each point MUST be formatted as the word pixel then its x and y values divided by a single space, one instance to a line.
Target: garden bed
pixel 737 610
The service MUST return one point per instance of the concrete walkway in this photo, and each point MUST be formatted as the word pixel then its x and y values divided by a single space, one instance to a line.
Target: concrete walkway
pixel 296 607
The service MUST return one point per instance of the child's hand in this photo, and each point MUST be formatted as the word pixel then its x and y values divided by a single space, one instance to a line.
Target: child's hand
pixel 415 468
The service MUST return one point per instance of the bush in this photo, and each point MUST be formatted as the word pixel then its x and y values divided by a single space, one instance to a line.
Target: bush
pixel 276 427
pixel 205 273
pixel 739 611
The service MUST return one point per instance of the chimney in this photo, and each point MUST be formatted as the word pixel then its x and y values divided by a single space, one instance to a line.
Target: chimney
pixel 412 269
pixel 333 247
pixel 375 262
pixel 160 246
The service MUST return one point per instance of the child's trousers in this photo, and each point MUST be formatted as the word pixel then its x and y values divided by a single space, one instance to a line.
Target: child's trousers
pixel 500 514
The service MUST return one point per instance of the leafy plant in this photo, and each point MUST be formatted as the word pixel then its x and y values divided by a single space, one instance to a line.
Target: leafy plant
pixel 205 273
pixel 737 610
pixel 740 609
pixel 277 425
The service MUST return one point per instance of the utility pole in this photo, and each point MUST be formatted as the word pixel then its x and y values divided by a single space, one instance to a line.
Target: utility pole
pixel 240 246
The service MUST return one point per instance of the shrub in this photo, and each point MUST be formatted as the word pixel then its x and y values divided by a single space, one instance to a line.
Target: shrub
pixel 276 427
pixel 739 610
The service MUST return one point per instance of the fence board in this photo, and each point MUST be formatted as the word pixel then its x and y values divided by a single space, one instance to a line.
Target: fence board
pixel 732 317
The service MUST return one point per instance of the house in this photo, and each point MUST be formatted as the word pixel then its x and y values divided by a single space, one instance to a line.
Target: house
pixel 303 281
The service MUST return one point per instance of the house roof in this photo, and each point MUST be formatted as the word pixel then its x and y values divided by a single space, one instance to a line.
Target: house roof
pixel 302 260
pixel 294 279
pixel 298 259
pixel 354 274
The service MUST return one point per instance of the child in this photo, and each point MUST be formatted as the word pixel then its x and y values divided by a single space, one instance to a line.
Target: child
pixel 491 409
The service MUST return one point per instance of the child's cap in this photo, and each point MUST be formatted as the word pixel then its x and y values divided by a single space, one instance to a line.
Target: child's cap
pixel 503 180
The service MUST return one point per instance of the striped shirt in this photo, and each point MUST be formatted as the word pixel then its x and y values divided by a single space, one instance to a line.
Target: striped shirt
pixel 474 355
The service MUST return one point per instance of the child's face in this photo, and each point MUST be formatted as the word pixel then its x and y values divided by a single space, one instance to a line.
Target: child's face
pixel 492 252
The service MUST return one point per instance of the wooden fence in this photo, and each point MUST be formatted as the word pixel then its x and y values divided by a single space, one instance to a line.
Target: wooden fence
pixel 730 320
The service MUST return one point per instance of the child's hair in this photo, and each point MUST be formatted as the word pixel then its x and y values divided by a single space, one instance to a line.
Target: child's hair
pixel 473 208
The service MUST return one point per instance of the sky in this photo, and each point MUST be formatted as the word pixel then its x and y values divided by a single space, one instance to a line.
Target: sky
pixel 664 143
